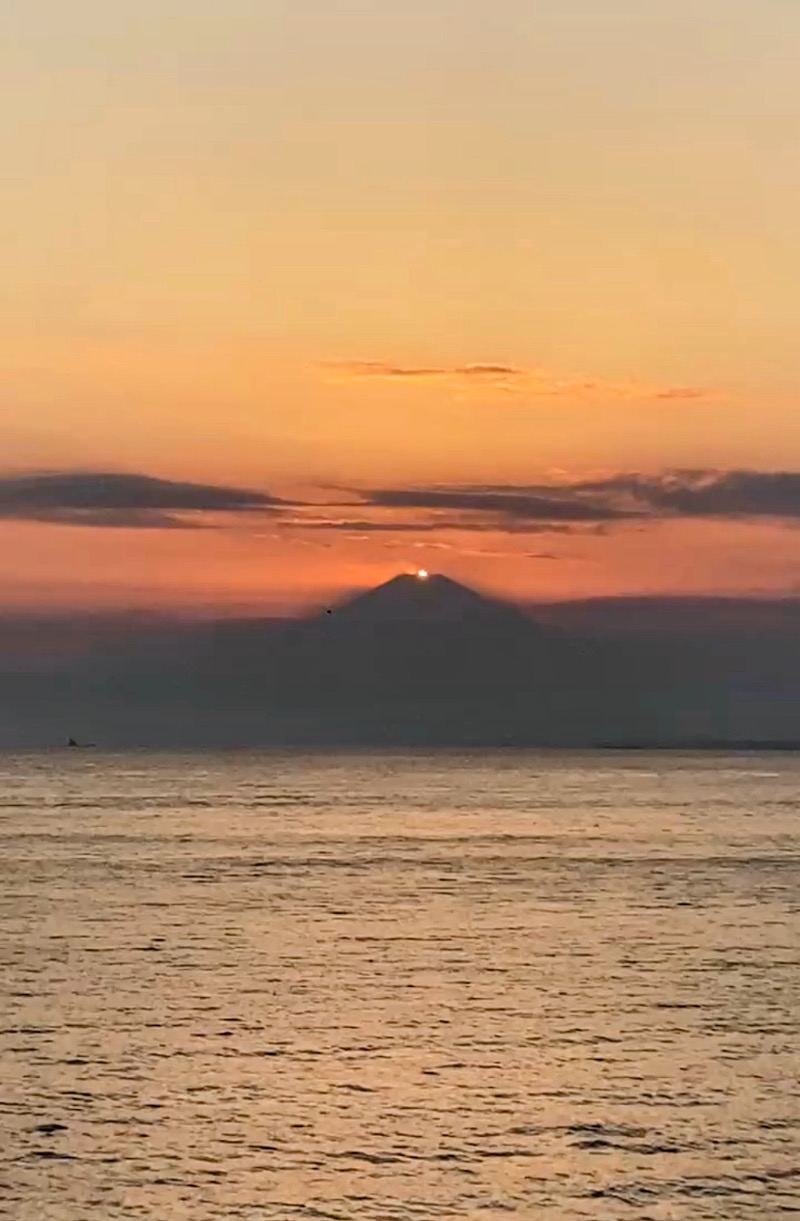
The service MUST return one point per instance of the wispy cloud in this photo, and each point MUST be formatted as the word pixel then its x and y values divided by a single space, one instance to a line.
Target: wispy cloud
pixel 361 526
pixel 744 495
pixel 122 501
pixel 541 505
pixel 733 494
pixel 461 520
pixel 136 501
pixel 511 379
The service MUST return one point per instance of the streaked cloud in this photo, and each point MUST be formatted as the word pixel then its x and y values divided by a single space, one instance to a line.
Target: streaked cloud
pixel 138 501
pixel 366 525
pixel 617 499
pixel 460 521
pixel 736 494
pixel 511 379
pixel 552 505
pixel 123 501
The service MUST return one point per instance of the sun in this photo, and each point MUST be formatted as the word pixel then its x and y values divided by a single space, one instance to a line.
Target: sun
pixel 422 574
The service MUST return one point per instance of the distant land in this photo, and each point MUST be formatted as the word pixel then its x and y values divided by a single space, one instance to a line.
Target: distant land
pixel 418 661
pixel 705 744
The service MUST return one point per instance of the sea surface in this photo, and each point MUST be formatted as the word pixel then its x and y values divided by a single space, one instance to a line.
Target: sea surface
pixel 397 987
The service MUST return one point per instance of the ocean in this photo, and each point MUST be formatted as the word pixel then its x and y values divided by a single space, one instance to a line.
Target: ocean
pixel 395 987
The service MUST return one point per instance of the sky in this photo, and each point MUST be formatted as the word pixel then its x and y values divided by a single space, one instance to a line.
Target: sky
pixel 300 294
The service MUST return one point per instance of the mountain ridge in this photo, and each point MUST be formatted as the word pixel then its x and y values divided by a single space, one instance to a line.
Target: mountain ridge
pixel 414 661
pixel 427 598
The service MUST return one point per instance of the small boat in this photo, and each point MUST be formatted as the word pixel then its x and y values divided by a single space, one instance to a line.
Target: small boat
pixel 74 744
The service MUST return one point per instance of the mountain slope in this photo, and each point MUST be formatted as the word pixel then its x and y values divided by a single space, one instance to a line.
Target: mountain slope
pixel 410 663
pixel 429 599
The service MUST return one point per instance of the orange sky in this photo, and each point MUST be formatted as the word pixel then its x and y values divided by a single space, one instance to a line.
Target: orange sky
pixel 290 247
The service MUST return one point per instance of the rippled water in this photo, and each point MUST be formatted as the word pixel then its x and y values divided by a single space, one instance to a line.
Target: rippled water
pixel 399 987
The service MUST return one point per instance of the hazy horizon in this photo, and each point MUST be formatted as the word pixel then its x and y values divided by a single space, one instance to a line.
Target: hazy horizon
pixel 416 661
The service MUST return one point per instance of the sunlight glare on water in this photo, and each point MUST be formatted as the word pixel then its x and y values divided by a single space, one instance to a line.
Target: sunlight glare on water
pixel 398 987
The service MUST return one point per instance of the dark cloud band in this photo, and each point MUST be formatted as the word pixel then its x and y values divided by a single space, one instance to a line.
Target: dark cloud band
pixel 114 499
pixel 118 500
pixel 742 494
pixel 511 504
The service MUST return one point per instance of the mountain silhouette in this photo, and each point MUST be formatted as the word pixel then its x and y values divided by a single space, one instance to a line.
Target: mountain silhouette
pixel 415 662
pixel 429 599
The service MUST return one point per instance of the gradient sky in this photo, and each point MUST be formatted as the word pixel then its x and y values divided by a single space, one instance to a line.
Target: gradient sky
pixel 317 248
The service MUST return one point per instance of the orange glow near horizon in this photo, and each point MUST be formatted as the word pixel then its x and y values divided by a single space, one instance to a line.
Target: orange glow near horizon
pixel 210 572
pixel 199 292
